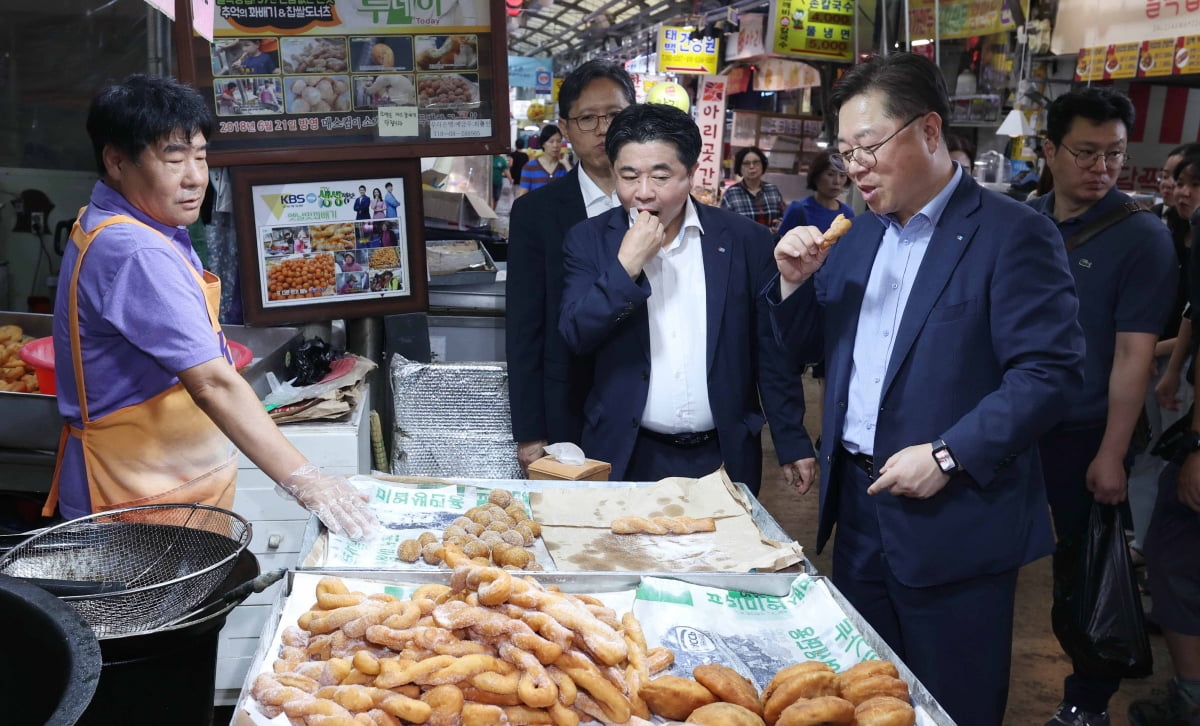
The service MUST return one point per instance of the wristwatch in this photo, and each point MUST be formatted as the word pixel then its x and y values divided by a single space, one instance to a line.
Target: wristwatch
pixel 1191 442
pixel 944 458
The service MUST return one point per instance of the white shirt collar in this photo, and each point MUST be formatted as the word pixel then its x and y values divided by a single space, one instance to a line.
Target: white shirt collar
pixel 594 198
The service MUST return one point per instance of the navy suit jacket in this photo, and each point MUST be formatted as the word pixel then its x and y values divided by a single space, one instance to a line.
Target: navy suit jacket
pixel 547 385
pixel 988 342
pixel 604 313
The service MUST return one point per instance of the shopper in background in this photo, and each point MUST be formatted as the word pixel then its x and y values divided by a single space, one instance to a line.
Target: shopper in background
pixel 664 293
pixel 547 384
pixel 1173 538
pixel 1125 274
pixel 152 417
pixel 962 151
pixel 825 203
pixel 518 157
pixel 500 174
pixel 548 166
pixel 947 322
pixel 751 196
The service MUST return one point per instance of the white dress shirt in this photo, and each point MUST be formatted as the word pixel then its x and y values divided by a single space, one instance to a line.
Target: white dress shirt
pixel 595 201
pixel 901 252
pixel 677 401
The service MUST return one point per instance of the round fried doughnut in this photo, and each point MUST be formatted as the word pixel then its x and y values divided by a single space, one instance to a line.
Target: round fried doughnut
pixel 867 669
pixel 477 548
pixel 516 511
pixel 500 497
pixel 728 685
pixel 867 688
pixel 474 529
pixel 802 685
pixel 724 714
pixel 497 525
pixel 787 673
pixel 820 711
pixel 427 537
pixel 674 698
pixel 432 553
pixel 885 711
pixel 460 522
pixel 513 537
pixel 455 530
pixel 505 554
pixel 409 550
pixel 525 529
pixel 491 538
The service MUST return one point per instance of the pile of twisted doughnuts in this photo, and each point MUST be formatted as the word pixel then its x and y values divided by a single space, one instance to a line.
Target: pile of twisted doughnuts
pixel 488 649
pixel 805 694
pixel 497 533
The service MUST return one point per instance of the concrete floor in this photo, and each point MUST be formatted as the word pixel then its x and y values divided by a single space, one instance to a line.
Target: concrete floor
pixel 1038 663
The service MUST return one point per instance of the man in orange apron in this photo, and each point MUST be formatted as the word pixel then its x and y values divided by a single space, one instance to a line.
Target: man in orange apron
pixel 146 383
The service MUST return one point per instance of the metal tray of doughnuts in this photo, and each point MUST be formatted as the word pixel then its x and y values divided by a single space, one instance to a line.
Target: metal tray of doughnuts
pixel 600 582
pixel 766 523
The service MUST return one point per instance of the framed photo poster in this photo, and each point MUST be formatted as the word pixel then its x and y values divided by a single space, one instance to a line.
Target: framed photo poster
pixel 329 80
pixel 330 240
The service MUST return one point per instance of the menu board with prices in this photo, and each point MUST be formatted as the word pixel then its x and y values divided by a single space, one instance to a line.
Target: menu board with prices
pixel 820 29
pixel 308 75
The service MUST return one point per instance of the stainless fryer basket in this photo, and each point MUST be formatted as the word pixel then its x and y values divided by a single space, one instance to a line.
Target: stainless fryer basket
pixel 153 563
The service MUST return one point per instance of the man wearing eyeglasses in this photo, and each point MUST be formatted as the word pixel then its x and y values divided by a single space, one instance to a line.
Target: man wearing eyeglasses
pixel 547 385
pixel 947 320
pixel 1125 273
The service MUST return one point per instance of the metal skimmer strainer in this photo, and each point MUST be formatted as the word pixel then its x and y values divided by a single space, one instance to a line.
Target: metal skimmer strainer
pixel 148 564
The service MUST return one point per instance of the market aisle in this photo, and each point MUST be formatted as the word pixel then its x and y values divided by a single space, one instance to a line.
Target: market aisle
pixel 1038 664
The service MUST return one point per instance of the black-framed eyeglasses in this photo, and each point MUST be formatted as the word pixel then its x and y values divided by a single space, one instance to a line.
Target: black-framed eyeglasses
pixel 1087 159
pixel 864 156
pixel 589 122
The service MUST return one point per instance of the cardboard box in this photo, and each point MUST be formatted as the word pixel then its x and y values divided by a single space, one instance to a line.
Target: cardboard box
pixel 548 467
pixel 456 210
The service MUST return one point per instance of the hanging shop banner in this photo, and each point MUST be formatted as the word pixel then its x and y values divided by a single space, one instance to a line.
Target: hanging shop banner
pixel 819 29
pixel 678 53
pixel 1101 23
pixel 1147 59
pixel 778 74
pixel 959 18
pixel 293 74
pixel 1121 61
pixel 535 73
pixel 710 116
pixel 748 41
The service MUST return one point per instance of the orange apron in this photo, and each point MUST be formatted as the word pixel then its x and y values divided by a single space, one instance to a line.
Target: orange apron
pixel 164 450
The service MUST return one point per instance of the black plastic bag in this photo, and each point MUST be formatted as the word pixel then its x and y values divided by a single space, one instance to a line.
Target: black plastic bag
pixel 1097 612
pixel 308 361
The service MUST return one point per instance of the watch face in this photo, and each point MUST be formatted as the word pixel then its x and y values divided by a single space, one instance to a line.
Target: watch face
pixel 944 460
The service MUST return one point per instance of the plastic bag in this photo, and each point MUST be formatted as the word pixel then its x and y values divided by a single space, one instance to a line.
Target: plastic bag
pixel 1097 613
pixel 308 361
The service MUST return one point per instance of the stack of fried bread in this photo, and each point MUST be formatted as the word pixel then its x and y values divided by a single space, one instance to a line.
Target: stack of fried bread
pixel 486 650
pixel 806 694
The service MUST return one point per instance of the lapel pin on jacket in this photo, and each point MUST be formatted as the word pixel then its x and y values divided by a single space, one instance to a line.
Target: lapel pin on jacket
pixel 720 249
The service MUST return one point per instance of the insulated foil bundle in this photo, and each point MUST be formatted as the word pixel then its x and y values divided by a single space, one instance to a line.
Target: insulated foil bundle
pixel 452 420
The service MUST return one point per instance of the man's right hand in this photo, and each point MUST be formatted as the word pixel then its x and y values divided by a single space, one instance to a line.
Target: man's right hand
pixel 1167 391
pixel 799 255
pixel 529 452
pixel 641 243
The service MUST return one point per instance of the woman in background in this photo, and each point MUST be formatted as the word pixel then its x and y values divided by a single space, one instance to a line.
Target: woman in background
pixel 825 203
pixel 751 196
pixel 548 166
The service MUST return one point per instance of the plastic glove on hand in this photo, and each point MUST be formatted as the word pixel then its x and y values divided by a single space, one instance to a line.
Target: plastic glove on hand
pixel 341 507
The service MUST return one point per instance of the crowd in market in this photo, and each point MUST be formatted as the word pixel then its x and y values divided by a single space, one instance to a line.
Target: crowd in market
pixel 987 361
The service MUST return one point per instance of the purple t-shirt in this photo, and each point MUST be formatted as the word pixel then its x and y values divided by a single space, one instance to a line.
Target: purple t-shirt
pixel 142 320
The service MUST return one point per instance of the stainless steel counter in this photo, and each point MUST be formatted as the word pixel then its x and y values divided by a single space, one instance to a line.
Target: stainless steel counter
pixel 485 299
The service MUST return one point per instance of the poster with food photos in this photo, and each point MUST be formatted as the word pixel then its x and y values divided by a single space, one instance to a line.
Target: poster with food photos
pixel 299 74
pixel 336 241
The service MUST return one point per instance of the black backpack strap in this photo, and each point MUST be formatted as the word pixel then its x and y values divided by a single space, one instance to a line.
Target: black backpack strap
pixel 1096 226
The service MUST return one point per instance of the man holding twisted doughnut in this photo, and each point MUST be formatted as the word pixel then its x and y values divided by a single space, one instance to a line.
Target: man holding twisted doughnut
pixel 947 319
pixel 146 382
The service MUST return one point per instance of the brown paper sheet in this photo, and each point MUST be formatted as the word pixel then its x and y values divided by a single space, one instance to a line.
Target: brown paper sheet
pixel 576 527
